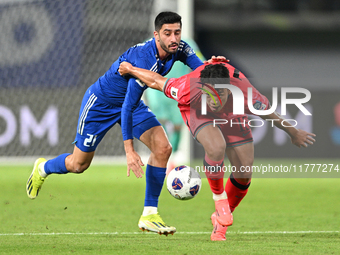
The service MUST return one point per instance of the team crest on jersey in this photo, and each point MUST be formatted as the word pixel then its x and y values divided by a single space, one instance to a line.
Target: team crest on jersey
pixel 258 105
pixel 189 51
pixel 174 92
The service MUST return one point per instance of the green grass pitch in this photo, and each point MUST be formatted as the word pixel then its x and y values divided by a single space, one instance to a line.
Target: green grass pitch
pixel 97 213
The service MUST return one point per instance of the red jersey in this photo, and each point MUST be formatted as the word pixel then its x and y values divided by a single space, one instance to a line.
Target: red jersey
pixel 185 90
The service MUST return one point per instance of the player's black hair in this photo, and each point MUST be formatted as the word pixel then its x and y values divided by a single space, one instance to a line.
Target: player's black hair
pixel 215 71
pixel 167 18
pixel 214 74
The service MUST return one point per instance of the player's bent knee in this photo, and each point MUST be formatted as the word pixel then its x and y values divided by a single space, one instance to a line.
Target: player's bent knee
pixel 216 151
pixel 163 151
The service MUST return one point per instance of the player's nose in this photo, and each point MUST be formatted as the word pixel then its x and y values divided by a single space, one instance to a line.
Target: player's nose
pixel 173 38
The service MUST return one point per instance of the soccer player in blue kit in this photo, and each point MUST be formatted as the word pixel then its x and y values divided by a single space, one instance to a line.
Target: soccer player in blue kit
pixel 116 99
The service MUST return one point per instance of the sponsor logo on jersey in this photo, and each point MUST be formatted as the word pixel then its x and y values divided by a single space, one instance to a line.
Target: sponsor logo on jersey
pixel 189 51
pixel 174 92
pixel 140 83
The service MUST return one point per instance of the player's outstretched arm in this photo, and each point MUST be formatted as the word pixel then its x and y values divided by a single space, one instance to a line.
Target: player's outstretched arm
pixel 151 79
pixel 298 137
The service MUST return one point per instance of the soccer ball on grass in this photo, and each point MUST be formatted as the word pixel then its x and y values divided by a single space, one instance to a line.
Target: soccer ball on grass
pixel 183 182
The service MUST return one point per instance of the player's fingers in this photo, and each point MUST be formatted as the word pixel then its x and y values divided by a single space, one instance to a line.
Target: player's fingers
pixel 135 172
pixel 311 138
pixel 138 172
pixel 310 142
pixel 222 59
pixel 120 70
pixel 140 162
pixel 311 135
pixel 141 170
pixel 128 172
pixel 304 145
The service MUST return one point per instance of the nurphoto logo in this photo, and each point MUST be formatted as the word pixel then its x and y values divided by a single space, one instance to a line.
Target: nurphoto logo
pixel 256 108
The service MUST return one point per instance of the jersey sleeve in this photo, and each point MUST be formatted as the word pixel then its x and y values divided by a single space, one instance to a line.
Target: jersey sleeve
pixel 133 95
pixel 188 56
pixel 175 89
pixel 137 56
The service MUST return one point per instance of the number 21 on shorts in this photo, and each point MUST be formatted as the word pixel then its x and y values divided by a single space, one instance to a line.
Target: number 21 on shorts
pixel 90 141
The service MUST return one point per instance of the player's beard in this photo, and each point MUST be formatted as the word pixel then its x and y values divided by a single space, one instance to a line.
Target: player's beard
pixel 167 48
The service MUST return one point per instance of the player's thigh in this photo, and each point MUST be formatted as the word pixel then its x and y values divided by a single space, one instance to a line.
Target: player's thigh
pixel 212 141
pixel 204 132
pixel 242 155
pixel 149 131
pixel 95 119
pixel 240 147
pixel 156 139
pixel 242 158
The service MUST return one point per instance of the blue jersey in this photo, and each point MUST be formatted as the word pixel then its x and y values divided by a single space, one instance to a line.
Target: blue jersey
pixel 126 91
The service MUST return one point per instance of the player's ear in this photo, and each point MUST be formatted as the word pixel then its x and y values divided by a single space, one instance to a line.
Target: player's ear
pixel 156 35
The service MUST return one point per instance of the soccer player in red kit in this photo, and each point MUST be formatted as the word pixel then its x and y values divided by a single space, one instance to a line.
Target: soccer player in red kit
pixel 234 138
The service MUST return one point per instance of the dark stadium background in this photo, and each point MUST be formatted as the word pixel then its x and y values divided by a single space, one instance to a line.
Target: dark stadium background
pixel 53 50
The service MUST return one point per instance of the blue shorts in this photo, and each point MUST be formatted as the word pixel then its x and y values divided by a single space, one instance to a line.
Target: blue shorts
pixel 96 117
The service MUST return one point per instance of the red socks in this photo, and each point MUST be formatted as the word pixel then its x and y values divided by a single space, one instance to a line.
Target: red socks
pixel 236 191
pixel 215 175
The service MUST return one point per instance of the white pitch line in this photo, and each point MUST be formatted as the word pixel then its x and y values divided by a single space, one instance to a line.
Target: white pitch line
pixel 185 233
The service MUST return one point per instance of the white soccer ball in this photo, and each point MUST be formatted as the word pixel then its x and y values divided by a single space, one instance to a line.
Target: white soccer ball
pixel 183 182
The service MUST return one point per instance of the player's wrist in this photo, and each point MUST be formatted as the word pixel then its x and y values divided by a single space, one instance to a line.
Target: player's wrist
pixel 132 70
pixel 128 146
pixel 292 131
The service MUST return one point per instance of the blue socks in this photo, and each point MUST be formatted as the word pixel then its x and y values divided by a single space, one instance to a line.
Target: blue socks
pixel 56 165
pixel 154 182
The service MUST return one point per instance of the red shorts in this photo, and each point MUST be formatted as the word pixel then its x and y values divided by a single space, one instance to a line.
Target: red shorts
pixel 235 130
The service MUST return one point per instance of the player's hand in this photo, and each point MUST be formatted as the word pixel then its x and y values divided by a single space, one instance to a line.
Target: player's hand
pixel 303 138
pixel 215 59
pixel 134 163
pixel 124 68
